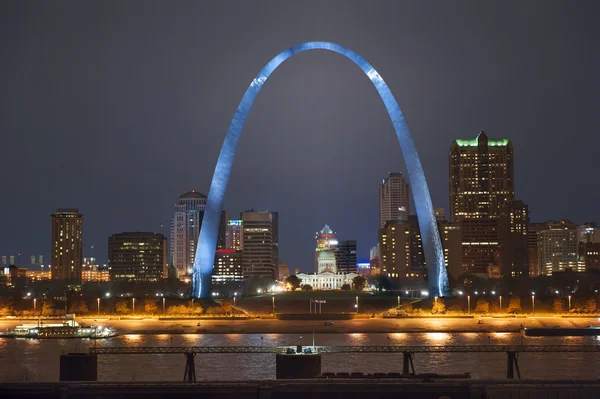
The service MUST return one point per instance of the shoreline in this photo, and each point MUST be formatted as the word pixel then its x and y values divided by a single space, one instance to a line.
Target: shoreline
pixel 356 326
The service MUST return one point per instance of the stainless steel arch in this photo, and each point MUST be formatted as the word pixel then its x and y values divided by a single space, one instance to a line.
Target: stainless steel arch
pixel 207 241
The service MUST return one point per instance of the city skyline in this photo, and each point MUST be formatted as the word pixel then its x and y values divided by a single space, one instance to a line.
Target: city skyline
pixel 422 78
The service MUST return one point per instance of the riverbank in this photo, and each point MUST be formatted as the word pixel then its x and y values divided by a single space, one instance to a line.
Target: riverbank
pixel 376 325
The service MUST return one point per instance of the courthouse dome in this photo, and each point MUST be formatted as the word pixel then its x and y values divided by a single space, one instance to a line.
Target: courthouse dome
pixel 192 195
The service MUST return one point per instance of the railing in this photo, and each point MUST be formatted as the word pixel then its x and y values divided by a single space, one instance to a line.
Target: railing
pixel 343 349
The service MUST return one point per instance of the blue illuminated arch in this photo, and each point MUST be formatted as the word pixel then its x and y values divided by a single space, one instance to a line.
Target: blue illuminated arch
pixel 207 241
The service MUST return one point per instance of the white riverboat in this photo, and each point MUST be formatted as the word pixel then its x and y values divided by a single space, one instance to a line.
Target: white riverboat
pixel 67 329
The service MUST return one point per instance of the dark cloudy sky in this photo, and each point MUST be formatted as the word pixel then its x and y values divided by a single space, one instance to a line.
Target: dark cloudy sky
pixel 117 108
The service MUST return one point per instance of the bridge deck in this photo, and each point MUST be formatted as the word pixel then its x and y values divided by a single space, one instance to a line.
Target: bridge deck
pixel 141 350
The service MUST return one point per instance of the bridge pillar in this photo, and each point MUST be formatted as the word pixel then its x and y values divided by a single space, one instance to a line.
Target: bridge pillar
pixel 189 375
pixel 512 364
pixel 407 360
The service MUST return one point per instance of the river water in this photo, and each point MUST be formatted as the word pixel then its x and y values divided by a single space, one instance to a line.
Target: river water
pixel 38 360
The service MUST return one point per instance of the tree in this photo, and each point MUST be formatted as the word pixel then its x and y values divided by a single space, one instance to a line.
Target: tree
pixel 122 307
pixel 307 287
pixel 359 283
pixel 178 310
pixel 590 305
pixel 438 307
pixel 483 306
pixel 78 306
pixel 293 282
pixel 47 309
pixel 150 306
pixel 346 287
pixel 514 305
pixel 557 306
pixel 227 306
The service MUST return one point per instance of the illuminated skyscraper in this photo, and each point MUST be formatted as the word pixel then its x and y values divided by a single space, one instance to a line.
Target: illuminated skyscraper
pixel 513 229
pixel 346 256
pixel 394 193
pixel 228 266
pixel 481 184
pixel 67 237
pixel 233 235
pixel 260 241
pixel 185 227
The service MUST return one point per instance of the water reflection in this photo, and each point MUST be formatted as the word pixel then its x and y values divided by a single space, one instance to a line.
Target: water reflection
pixel 38 359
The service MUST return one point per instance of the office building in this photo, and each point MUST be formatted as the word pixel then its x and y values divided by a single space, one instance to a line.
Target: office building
pixel 227 267
pixel 588 232
pixel 260 244
pixel 558 248
pixel 481 184
pixel 394 193
pixel 394 246
pixel 532 248
pixel 233 235
pixel 374 260
pixel 91 271
pixel 589 254
pixel 67 238
pixel 513 227
pixel 346 256
pixel 452 243
pixel 185 227
pixel 137 256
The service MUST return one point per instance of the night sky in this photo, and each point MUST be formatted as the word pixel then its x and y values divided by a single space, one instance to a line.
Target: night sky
pixel 117 108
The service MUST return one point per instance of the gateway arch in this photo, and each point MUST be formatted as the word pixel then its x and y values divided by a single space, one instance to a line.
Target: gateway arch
pixel 207 241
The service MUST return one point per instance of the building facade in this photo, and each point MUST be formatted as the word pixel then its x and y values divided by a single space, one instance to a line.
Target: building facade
pixel 138 256
pixel 92 272
pixel 259 257
pixel 513 229
pixel 67 245
pixel 558 248
pixel 327 280
pixel 394 247
pixel 234 235
pixel 394 199
pixel 227 267
pixel 283 271
pixel 185 228
pixel 481 184
pixel 346 256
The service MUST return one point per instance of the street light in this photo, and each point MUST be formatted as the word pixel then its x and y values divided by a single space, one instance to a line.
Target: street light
pixel 98 300
pixel 398 300
pixel 164 304
pixel 356 306
pixel 533 302
pixel 133 307
pixel 569 303
pixel 107 295
pixel 469 303
pixel 273 305
pixel 34 305
pixel 500 302
pixel 234 296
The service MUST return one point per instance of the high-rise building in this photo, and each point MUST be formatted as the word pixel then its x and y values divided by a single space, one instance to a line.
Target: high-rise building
pixel 558 248
pixel 326 241
pixel 234 235
pixel 227 267
pixel 346 256
pixel 394 246
pixel 222 235
pixel 532 248
pixel 481 184
pixel 67 249
pixel 394 193
pixel 375 260
pixel 258 230
pixel 588 232
pixel 514 253
pixel 417 263
pixel 138 256
pixel 185 227
pixel 452 243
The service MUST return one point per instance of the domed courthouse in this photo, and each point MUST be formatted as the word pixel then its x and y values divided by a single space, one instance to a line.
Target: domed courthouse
pixel 326 276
